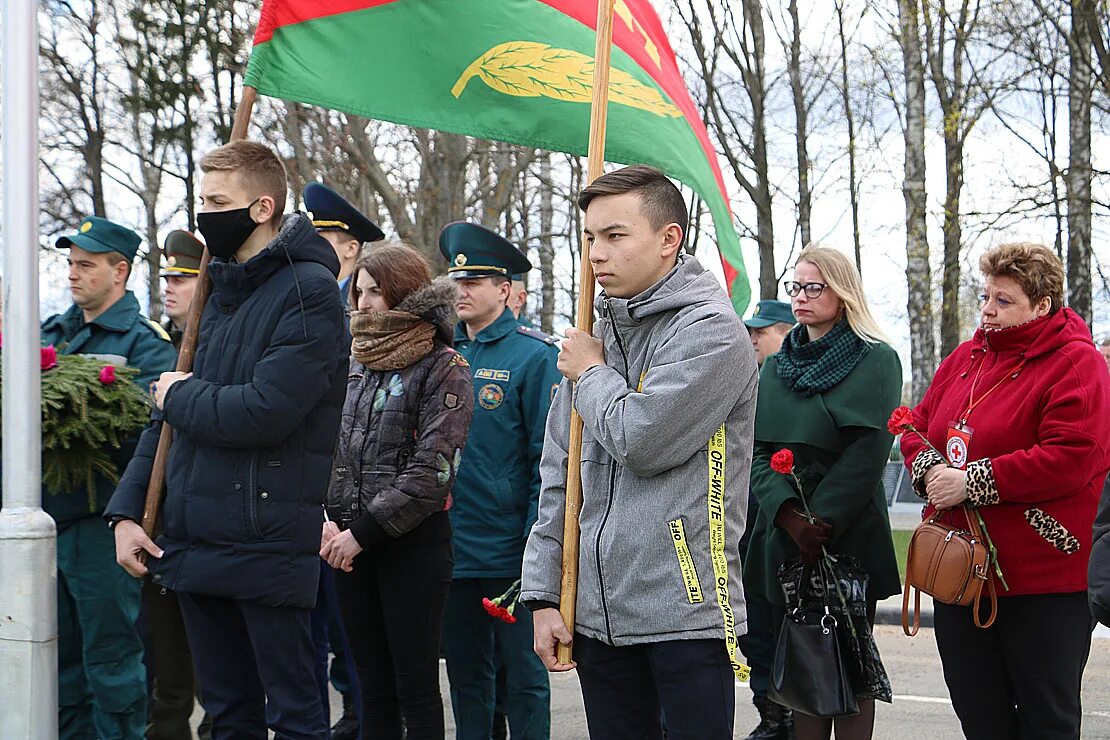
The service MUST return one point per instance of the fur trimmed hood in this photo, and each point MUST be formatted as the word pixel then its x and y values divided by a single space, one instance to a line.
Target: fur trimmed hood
pixel 434 303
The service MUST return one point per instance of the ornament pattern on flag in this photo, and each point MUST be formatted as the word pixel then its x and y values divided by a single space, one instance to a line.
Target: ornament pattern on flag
pixel 530 69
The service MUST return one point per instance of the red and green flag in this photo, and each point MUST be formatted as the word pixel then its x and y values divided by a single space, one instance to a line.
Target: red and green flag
pixel 519 71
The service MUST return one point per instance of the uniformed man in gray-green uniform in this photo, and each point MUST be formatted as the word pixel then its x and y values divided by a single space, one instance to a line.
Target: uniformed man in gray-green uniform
pixel 183 253
pixel 497 489
pixel 173 681
pixel 102 689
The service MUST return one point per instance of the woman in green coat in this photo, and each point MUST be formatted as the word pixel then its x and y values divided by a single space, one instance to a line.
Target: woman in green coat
pixel 827 397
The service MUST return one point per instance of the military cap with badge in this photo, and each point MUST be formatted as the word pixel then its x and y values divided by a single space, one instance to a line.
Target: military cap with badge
pixel 330 211
pixel 100 236
pixel 183 253
pixel 473 251
pixel 770 312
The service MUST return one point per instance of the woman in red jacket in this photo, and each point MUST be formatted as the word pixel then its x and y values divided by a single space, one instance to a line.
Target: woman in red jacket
pixel 1022 411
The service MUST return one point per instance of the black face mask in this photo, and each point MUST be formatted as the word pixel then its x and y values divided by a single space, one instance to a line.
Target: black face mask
pixel 225 231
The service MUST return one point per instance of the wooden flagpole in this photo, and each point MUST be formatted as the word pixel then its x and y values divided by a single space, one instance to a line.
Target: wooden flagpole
pixel 189 341
pixel 599 107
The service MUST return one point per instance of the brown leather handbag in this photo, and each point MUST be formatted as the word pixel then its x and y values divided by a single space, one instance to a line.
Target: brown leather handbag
pixel 950 564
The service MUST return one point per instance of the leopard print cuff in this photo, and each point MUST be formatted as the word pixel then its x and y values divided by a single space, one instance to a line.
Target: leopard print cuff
pixel 925 459
pixel 1052 531
pixel 981 487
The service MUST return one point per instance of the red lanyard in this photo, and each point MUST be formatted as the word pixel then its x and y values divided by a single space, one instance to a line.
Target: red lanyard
pixel 973 402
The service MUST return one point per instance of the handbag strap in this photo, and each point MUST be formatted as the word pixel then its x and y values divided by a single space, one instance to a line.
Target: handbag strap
pixel 911 631
pixel 977 533
pixel 973 524
pixel 994 601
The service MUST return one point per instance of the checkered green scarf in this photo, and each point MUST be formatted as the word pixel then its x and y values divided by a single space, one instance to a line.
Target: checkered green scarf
pixel 815 367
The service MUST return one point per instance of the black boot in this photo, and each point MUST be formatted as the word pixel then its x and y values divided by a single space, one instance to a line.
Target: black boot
pixel 775 721
pixel 347 726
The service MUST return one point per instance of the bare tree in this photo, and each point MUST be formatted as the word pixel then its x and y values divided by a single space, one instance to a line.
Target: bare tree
pixel 547 244
pixel 1079 176
pixel 731 65
pixel 850 124
pixel 74 48
pixel 964 90
pixel 1036 48
pixel 801 122
pixel 919 302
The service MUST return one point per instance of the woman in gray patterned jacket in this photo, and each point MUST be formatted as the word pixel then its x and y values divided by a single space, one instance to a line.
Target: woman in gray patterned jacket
pixel 405 421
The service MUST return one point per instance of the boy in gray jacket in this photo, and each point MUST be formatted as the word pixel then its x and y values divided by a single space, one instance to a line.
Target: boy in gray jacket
pixel 666 390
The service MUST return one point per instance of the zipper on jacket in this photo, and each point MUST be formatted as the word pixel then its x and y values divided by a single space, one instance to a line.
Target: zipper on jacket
pixel 617 335
pixel 597 554
pixel 252 493
pixel 607 310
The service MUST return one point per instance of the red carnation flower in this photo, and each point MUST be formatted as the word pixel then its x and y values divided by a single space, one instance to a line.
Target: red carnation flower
pixel 48 358
pixel 490 607
pixel 783 462
pixel 107 374
pixel 900 420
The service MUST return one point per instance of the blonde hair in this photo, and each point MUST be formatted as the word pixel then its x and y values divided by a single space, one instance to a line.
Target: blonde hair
pixel 257 167
pixel 844 279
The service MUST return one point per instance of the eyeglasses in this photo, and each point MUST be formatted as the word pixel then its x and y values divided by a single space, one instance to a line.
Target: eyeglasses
pixel 813 290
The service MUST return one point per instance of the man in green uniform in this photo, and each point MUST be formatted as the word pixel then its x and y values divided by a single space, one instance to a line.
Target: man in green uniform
pixel 497 489
pixel 169 660
pixel 101 680
pixel 518 299
pixel 183 252
pixel 345 227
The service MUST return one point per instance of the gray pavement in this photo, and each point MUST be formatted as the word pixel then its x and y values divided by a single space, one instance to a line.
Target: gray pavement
pixel 921 707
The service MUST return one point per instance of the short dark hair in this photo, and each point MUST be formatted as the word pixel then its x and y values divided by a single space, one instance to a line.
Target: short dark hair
pixel 114 258
pixel 660 200
pixel 397 268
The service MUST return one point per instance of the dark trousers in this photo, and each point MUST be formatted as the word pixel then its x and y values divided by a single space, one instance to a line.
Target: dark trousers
pixel 256 666
pixel 1019 678
pixel 472 636
pixel 328 635
pixel 629 692
pixel 392 604
pixel 169 666
pixel 758 645
pixel 344 678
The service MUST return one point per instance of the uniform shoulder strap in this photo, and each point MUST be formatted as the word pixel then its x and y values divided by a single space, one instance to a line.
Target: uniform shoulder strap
pixel 155 327
pixel 538 335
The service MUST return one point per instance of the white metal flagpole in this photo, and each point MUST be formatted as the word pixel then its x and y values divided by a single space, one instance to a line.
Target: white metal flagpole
pixel 28 546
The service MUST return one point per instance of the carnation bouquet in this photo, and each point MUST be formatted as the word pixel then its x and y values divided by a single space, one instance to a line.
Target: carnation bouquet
pixel 503 606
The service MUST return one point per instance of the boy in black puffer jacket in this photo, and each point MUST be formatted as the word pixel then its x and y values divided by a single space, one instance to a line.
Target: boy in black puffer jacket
pixel 254 425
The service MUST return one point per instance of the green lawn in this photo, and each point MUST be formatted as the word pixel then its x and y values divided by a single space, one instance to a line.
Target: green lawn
pixel 901 546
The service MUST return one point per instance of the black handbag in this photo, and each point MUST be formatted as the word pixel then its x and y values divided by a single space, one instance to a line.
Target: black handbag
pixel 809 673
